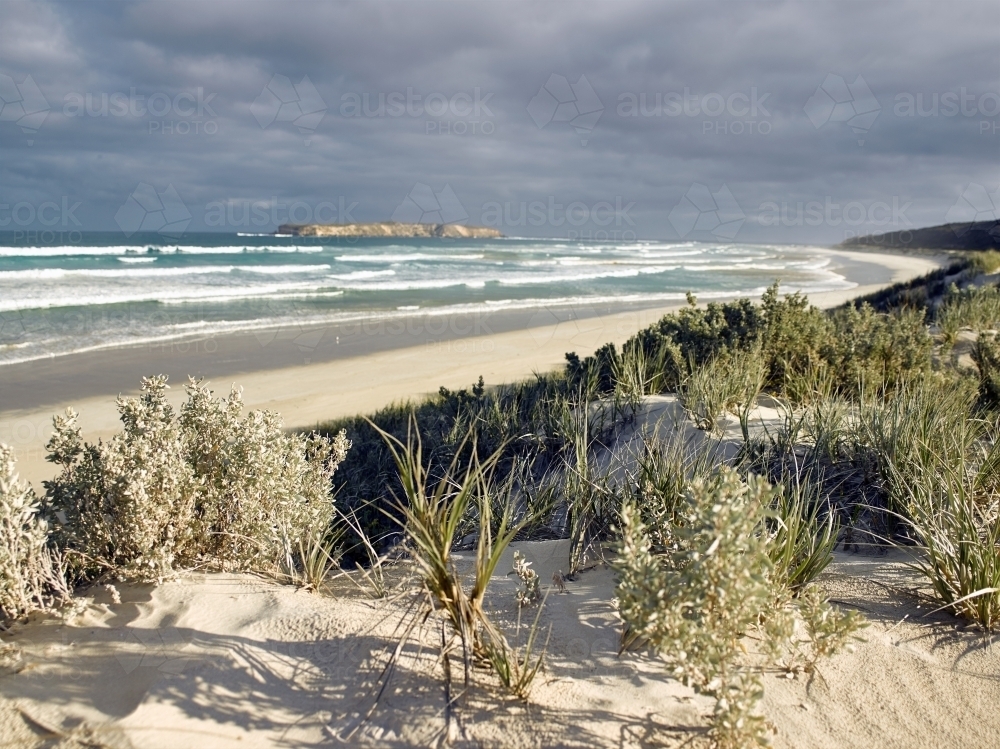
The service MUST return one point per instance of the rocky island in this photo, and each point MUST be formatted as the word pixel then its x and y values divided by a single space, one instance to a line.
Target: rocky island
pixel 389 229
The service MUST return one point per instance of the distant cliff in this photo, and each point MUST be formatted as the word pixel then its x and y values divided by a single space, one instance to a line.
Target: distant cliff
pixel 979 235
pixel 389 229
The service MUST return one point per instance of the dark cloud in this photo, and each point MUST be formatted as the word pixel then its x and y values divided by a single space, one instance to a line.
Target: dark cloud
pixel 217 146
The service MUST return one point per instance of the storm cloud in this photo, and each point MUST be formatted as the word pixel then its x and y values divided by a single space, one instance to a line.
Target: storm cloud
pixel 767 122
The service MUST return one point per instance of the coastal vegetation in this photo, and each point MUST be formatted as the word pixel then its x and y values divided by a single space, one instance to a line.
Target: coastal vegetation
pixel 884 434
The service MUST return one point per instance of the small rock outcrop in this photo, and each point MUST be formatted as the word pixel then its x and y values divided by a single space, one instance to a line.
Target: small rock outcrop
pixel 389 229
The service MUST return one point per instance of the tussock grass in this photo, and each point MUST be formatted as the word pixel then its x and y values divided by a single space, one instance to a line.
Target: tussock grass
pixel 731 379
pixel 802 532
pixel 975 308
pixel 434 511
pixel 309 565
pixel 960 538
pixel 985 261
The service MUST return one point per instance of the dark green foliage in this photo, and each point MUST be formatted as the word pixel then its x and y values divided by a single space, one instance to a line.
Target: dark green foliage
pixel 986 355
pixel 914 293
pixel 524 422
pixel 806 354
pixel 875 348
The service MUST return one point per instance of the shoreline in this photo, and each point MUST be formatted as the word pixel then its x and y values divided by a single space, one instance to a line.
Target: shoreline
pixel 312 374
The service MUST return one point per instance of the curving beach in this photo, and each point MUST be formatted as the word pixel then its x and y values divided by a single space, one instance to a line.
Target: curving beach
pixel 310 374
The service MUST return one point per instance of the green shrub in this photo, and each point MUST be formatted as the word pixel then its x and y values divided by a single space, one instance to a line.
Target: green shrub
pixel 262 493
pixel 168 492
pixel 126 505
pixel 916 293
pixel 695 602
pixel 725 572
pixel 882 349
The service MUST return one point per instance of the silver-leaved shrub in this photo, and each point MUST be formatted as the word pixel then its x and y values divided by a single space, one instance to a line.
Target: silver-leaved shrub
pixel 694 596
pixel 30 574
pixel 204 486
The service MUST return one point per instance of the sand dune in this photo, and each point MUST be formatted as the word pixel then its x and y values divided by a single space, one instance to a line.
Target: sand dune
pixel 219 660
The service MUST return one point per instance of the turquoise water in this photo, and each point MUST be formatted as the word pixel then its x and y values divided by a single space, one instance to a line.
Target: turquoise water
pixel 98 290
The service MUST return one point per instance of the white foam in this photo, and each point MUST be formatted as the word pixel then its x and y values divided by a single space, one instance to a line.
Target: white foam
pixel 91 250
pixel 191 270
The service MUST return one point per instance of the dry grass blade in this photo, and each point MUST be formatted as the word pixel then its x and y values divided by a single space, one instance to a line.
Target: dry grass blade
pixel 517 671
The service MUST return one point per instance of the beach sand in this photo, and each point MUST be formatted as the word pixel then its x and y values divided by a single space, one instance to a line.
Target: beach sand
pixel 310 375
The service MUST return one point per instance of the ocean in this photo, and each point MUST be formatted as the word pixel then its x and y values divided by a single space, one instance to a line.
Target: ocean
pixel 99 291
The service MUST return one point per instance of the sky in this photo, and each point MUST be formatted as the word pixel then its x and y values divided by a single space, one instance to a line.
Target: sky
pixel 784 122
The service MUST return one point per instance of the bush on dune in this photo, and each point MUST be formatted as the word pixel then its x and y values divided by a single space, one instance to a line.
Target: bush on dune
pixel 695 597
pixel 30 574
pixel 169 492
pixel 795 340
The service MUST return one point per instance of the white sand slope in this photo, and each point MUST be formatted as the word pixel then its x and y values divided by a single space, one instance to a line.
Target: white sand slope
pixel 222 660
pixel 234 660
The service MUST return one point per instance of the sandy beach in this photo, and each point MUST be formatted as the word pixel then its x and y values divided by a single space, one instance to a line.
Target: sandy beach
pixel 309 375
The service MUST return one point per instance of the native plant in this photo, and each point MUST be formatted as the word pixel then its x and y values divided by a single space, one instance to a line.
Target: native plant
pixel 433 512
pixel 127 505
pixel 31 577
pixel 802 532
pixel 974 307
pixel 517 667
pixel 986 355
pixel 172 491
pixel 718 578
pixel 733 378
pixel 954 510
pixel 530 590
pixel 263 493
